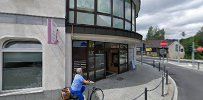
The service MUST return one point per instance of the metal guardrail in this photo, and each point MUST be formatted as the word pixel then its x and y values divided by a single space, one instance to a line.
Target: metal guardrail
pixel 164 76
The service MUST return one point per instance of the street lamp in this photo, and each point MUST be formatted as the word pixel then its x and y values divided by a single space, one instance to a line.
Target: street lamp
pixel 183 35
pixel 193 51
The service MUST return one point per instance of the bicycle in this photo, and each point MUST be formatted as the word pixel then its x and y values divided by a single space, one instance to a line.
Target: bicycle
pixel 95 92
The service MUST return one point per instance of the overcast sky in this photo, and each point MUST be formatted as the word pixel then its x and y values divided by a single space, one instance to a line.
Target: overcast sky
pixel 175 16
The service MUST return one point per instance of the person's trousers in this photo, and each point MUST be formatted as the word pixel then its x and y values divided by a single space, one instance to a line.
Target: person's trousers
pixel 79 94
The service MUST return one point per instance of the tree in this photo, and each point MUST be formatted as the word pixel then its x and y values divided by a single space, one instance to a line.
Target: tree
pixel 187 43
pixel 150 33
pixel 155 34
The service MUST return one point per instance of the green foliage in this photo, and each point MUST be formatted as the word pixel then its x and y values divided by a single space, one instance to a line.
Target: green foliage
pixel 155 34
pixel 187 43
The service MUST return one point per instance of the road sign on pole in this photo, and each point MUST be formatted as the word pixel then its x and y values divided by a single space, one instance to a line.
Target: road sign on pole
pixel 164 44
pixel 163 52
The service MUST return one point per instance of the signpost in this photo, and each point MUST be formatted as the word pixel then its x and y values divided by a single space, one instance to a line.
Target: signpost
pixel 164 44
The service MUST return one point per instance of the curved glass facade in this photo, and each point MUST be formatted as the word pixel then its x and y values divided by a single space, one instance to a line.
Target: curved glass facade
pixel 106 13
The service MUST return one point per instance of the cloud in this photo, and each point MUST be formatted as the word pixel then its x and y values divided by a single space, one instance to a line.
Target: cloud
pixel 175 16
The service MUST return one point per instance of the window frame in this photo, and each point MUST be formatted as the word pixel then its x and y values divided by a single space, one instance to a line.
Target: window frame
pixel 96 13
pixel 29 50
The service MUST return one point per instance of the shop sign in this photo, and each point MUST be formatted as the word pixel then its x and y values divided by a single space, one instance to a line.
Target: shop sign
pixel 148 49
pixel 52 32
pixel 80 44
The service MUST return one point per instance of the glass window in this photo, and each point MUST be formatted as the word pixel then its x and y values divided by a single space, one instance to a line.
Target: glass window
pixel 87 5
pixel 91 60
pixel 128 9
pixel 79 57
pixel 123 60
pixel 118 23
pixel 99 60
pixel 128 26
pixel 118 8
pixel 104 6
pixel 85 18
pixel 71 4
pixel 71 16
pixel 21 69
pixel 176 48
pixel 103 20
pixel 133 14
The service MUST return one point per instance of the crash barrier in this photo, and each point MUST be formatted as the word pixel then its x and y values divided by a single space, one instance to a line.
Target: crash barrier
pixel 198 63
pixel 164 80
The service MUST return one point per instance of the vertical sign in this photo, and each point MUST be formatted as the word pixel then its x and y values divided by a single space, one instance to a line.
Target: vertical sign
pixel 52 32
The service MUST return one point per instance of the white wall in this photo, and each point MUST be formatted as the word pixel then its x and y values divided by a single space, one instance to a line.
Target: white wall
pixel 50 8
pixel 173 53
pixel 53 66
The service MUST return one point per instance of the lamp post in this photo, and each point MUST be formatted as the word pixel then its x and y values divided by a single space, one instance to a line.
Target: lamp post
pixel 182 35
pixel 193 52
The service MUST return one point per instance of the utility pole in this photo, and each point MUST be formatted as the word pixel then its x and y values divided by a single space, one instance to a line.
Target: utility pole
pixel 142 52
pixel 193 52
pixel 182 35
pixel 178 50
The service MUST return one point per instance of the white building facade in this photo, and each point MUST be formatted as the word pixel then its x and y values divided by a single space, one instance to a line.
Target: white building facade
pixel 32 68
pixel 173 50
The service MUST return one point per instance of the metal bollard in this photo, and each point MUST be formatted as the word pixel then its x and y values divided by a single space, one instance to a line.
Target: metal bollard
pixel 198 65
pixel 164 70
pixel 145 92
pixel 153 63
pixel 162 86
pixel 159 67
pixel 167 77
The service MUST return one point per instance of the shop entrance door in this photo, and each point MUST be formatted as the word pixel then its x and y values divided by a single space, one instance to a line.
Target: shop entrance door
pixel 112 52
pixel 113 61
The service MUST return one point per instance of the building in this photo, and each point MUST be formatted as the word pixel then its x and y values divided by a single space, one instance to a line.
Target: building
pixel 43 41
pixel 152 48
pixel 173 50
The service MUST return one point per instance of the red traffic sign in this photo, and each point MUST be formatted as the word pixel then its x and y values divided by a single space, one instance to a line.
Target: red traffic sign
pixel 200 49
pixel 164 43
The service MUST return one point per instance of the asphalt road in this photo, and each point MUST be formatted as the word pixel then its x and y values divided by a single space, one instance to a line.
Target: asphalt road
pixel 189 82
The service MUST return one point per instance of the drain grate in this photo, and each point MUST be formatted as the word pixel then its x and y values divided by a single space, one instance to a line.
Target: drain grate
pixel 120 79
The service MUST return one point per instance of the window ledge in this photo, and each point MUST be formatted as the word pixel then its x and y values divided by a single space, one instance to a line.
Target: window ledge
pixel 21 91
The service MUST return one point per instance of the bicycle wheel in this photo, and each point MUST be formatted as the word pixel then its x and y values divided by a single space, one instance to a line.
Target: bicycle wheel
pixel 97 94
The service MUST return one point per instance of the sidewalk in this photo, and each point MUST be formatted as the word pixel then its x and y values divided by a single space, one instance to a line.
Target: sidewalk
pixel 129 85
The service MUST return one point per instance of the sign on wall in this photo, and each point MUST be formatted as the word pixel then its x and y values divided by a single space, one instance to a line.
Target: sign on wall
pixel 52 32
pixel 148 49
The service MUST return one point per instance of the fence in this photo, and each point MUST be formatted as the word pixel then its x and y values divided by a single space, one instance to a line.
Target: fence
pixel 162 82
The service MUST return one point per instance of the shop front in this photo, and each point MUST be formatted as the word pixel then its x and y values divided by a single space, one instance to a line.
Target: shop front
pixel 99 59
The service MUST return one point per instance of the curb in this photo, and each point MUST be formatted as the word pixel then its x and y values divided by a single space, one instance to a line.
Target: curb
pixel 175 93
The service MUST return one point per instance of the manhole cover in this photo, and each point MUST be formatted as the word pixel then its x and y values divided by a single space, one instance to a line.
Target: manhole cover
pixel 120 78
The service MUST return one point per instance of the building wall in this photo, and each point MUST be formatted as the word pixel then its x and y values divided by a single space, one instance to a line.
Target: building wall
pixel 172 51
pixel 49 8
pixel 27 20
pixel 53 55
